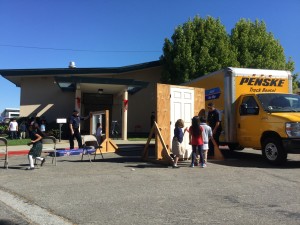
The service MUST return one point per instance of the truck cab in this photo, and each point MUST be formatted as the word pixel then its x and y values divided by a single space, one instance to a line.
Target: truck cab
pixel 269 121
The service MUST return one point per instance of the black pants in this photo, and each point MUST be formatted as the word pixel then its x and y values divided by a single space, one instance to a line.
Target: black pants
pixel 211 151
pixel 76 135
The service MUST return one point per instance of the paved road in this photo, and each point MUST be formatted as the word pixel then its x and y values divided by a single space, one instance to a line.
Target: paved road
pixel 9 216
pixel 121 189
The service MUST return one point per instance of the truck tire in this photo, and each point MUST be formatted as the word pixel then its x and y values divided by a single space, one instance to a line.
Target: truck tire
pixel 274 152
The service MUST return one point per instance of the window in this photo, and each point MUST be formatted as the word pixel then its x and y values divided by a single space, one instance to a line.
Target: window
pixel 249 106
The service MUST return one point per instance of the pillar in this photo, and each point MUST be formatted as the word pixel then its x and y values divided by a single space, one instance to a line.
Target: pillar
pixel 124 114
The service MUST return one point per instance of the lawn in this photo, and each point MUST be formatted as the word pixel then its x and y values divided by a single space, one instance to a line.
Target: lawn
pixel 16 141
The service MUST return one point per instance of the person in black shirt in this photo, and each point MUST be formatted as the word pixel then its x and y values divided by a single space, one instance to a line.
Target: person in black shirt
pixel 214 121
pixel 36 137
pixel 74 125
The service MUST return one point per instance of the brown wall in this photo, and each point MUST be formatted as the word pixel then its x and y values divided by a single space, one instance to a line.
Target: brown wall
pixel 42 97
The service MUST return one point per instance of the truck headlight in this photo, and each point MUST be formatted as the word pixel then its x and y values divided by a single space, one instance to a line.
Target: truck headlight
pixel 292 129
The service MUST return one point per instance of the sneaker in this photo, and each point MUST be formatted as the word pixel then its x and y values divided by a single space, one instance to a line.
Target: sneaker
pixel 30 168
pixel 43 161
pixel 175 166
pixel 192 165
pixel 204 165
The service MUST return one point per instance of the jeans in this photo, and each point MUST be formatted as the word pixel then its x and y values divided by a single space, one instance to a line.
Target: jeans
pixel 13 135
pixel 194 153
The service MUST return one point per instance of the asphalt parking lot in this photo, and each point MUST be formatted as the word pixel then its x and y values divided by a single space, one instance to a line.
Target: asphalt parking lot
pixel 122 189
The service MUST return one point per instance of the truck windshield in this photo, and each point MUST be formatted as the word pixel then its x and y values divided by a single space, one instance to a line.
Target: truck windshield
pixel 274 102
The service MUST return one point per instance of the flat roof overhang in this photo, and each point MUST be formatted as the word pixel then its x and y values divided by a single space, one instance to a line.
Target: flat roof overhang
pixel 92 84
pixel 69 78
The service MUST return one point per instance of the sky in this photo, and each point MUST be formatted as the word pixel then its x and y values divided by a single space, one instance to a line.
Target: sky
pixel 113 33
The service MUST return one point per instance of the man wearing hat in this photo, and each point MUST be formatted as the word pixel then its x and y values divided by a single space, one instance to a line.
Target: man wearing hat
pixel 74 125
pixel 214 121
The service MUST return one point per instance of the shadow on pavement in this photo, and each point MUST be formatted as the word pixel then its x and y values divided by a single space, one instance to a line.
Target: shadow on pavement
pixel 248 159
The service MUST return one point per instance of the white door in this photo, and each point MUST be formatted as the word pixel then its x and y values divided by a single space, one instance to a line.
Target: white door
pixel 182 107
pixel 96 118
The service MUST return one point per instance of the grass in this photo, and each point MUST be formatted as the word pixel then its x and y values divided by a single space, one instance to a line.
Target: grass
pixel 25 141
pixel 18 142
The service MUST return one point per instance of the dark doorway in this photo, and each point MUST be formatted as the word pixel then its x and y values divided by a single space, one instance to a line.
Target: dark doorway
pixel 95 102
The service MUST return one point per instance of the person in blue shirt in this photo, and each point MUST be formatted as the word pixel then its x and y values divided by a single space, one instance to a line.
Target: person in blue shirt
pixel 74 126
pixel 214 121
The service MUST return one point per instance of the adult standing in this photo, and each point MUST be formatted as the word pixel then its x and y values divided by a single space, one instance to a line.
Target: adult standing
pixel 74 126
pixel 214 121
pixel 152 119
pixel 22 130
pixel 43 126
pixel 13 128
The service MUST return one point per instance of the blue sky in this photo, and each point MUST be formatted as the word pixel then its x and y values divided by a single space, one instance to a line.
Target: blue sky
pixel 112 33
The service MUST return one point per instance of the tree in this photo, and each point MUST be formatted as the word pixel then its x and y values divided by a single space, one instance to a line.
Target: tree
pixel 258 48
pixel 197 47
pixel 202 46
pixel 296 83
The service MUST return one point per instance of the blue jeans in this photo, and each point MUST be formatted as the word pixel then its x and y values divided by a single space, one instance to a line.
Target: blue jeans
pixel 194 153
pixel 13 135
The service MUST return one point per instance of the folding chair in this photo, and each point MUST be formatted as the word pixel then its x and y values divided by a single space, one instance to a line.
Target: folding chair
pixel 3 142
pixel 90 147
pixel 49 146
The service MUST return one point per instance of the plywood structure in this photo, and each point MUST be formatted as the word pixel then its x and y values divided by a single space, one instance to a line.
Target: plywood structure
pixel 199 102
pixel 163 117
pixel 162 125
pixel 107 144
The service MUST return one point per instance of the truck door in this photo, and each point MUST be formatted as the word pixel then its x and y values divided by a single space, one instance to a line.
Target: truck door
pixel 248 122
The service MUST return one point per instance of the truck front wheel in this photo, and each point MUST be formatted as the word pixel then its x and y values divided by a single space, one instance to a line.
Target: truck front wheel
pixel 274 152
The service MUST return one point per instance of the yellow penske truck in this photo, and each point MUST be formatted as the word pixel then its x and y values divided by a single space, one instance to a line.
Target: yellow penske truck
pixel 258 110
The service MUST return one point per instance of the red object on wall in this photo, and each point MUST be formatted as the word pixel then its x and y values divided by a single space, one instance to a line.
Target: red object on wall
pixel 125 104
pixel 78 102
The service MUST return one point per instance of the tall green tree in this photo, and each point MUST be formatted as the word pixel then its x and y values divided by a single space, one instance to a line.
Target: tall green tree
pixel 256 47
pixel 201 46
pixel 197 47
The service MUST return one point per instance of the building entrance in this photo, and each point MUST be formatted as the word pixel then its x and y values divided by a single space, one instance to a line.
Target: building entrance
pixel 94 102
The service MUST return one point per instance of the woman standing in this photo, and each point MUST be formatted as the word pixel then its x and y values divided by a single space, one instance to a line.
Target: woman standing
pixel 36 136
pixel 195 138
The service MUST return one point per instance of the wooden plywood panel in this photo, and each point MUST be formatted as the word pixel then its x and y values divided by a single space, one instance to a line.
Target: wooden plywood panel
pixel 199 98
pixel 162 116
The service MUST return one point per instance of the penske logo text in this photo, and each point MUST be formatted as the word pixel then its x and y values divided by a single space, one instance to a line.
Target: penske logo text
pixel 253 81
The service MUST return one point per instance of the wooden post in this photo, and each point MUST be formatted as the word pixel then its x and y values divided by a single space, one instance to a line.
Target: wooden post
pixel 164 152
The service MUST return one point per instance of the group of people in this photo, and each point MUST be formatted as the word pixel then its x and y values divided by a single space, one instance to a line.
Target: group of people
pixel 36 134
pixel 202 137
pixel 21 131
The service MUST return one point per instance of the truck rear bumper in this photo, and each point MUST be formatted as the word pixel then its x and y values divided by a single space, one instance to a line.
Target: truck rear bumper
pixel 291 145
